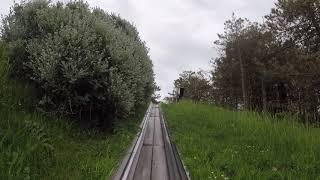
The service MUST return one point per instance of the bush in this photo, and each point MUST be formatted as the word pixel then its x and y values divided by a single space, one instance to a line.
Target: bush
pixel 84 62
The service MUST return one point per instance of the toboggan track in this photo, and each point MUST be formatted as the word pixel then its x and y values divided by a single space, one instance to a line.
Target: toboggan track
pixel 151 156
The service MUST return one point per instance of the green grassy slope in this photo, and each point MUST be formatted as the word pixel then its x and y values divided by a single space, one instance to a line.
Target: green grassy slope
pixel 219 144
pixel 34 146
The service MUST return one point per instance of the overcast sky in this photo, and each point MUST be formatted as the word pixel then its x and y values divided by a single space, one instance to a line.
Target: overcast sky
pixel 179 33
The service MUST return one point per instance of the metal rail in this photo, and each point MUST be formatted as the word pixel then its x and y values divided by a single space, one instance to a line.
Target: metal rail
pixel 152 156
pixel 129 161
pixel 174 163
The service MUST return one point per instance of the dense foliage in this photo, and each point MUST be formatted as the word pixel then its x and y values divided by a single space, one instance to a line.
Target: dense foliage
pixel 84 62
pixel 196 85
pixel 272 66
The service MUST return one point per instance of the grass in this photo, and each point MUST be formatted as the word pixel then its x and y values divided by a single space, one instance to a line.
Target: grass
pixel 34 146
pixel 37 147
pixel 220 144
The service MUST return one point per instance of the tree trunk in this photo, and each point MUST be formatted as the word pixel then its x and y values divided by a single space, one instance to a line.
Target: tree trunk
pixel 315 23
pixel 243 79
pixel 264 95
pixel 314 20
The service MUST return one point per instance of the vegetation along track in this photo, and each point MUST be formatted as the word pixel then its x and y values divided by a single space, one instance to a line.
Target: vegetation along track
pixel 152 156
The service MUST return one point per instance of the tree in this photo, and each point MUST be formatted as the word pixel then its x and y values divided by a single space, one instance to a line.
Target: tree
pixel 255 46
pixel 276 61
pixel 156 96
pixel 296 24
pixel 298 21
pixel 238 57
pixel 196 85
pixel 86 63
pixel 242 46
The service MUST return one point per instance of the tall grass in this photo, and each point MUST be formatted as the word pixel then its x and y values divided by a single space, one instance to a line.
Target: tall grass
pixel 37 147
pixel 220 144
pixel 34 146
pixel 13 94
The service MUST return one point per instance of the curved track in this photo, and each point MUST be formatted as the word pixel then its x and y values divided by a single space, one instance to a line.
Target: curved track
pixel 152 156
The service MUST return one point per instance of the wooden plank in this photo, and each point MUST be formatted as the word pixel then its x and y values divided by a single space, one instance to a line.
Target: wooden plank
pixel 158 138
pixel 143 170
pixel 148 138
pixel 159 164
pixel 153 112
pixel 156 111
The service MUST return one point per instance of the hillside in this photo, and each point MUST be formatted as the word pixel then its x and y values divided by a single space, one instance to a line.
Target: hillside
pixel 220 144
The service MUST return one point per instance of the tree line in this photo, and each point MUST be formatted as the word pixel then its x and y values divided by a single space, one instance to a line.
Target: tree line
pixel 271 66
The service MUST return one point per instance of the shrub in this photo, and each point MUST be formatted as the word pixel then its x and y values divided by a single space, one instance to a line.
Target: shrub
pixel 84 62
